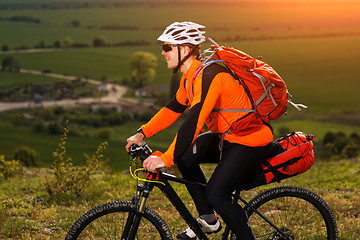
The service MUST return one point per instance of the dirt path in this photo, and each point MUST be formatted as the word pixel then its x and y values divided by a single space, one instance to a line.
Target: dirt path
pixel 115 93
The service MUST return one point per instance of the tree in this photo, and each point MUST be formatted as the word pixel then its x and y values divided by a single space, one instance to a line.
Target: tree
pixel 142 65
pixel 100 41
pixel 57 44
pixel 75 23
pixel 67 42
pixel 5 47
pixel 9 63
pixel 41 44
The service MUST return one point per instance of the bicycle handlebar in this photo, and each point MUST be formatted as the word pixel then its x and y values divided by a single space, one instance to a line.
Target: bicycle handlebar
pixel 143 151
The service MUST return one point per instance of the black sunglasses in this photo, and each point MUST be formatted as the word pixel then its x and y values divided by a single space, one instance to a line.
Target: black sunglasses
pixel 168 47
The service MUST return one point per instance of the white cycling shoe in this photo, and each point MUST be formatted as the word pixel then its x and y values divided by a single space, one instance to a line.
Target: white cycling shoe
pixel 208 228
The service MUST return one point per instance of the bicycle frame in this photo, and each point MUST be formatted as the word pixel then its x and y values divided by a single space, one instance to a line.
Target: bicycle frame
pixel 162 182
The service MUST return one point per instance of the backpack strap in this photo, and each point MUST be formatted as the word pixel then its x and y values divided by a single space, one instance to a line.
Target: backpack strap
pixel 206 64
pixel 203 65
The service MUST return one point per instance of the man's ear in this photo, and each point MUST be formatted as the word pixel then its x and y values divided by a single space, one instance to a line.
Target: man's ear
pixel 187 50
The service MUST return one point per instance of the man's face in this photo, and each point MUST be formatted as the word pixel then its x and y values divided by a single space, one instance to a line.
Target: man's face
pixel 171 56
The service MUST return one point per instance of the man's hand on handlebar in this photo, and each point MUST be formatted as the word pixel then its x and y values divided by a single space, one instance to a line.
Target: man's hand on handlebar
pixel 137 139
pixel 153 163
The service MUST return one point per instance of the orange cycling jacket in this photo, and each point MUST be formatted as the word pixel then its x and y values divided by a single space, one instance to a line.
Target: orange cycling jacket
pixel 213 88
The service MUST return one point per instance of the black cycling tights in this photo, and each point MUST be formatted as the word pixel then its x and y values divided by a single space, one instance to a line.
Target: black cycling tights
pixel 238 165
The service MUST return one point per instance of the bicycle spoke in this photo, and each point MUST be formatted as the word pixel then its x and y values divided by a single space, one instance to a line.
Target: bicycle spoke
pixel 296 217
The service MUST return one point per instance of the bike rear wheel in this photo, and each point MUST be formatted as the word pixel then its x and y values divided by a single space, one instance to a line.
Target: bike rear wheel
pixel 107 221
pixel 298 212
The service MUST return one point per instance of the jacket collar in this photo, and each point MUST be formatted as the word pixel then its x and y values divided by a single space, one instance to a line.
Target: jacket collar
pixel 192 69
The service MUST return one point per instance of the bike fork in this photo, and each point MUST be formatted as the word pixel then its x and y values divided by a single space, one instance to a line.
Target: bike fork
pixel 133 220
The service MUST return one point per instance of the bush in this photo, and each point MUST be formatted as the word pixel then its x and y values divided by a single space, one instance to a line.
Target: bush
pixel 8 168
pixel 340 145
pixel 104 111
pixel 27 156
pixel 9 63
pixel 104 133
pixel 74 131
pixel 70 179
pixel 39 126
pixel 59 110
pixel 329 138
pixel 351 150
pixel 46 114
pixel 355 137
pixel 144 116
pixel 100 41
pixel 329 151
pixel 17 119
pixel 54 128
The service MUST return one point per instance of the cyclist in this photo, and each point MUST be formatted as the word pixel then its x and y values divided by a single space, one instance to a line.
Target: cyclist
pixel 237 141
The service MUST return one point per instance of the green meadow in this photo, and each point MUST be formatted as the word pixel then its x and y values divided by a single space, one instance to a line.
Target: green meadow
pixel 316 53
pixel 313 45
pixel 320 72
pixel 9 78
pixel 261 20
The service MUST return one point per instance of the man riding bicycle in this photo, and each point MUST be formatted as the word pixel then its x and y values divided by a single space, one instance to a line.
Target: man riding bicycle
pixel 237 141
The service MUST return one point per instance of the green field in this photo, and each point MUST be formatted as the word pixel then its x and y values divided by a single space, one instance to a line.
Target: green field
pixel 316 52
pixel 320 72
pixel 115 155
pixel 12 78
pixel 312 44
pixel 44 144
pixel 261 20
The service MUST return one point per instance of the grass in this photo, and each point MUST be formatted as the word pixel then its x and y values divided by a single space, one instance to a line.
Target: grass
pixel 29 213
pixel 320 72
pixel 13 78
pixel 317 128
pixel 45 144
pixel 91 62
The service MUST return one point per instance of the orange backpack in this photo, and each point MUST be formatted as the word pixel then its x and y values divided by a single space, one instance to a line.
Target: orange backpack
pixel 293 154
pixel 266 89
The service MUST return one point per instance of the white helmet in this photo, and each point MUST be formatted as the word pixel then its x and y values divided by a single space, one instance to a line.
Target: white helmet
pixel 183 32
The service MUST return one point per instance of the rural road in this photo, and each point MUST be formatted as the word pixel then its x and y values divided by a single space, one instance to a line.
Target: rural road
pixel 115 92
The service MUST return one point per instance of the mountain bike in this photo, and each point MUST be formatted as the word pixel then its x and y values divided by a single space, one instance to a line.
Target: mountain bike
pixel 279 213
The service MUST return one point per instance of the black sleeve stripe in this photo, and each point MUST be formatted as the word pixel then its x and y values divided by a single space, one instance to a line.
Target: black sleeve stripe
pixel 175 106
pixel 186 132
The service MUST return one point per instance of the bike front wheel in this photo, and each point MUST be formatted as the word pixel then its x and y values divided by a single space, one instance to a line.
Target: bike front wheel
pixel 108 221
pixel 297 212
